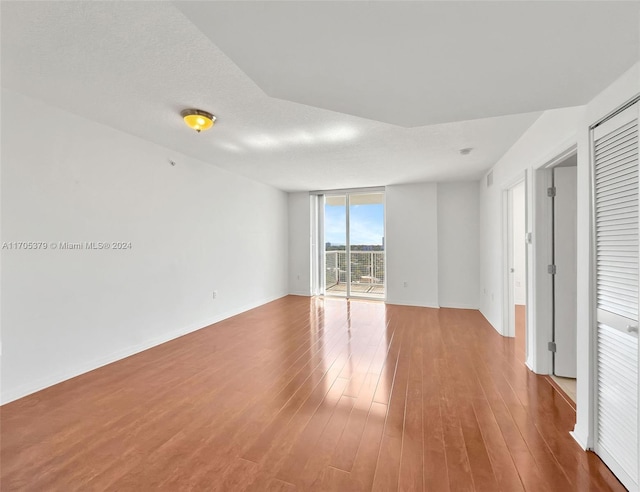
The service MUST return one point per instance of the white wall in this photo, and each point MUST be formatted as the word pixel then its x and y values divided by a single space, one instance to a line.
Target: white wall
pixel 458 255
pixel 299 244
pixel 519 247
pixel 193 228
pixel 412 244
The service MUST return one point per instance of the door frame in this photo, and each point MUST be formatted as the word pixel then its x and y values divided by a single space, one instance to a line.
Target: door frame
pixel 541 359
pixel 508 315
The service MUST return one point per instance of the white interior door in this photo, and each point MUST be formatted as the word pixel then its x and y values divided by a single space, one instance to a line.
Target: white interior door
pixel 616 228
pixel 565 279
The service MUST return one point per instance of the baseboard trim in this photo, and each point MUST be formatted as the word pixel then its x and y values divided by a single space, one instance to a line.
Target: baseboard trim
pixel 415 304
pixel 459 306
pixel 52 380
pixel 490 323
pixel 577 439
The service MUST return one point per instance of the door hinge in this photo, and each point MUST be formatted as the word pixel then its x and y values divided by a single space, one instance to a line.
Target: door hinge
pixel 551 191
pixel 551 269
pixel 552 346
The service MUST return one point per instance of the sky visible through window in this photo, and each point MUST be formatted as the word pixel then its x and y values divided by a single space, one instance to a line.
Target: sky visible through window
pixel 366 221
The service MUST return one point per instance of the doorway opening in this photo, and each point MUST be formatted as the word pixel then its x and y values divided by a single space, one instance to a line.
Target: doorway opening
pixel 563 227
pixel 517 266
pixel 351 259
pixel 554 344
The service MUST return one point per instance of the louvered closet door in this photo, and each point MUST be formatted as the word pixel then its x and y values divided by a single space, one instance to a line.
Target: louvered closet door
pixel 616 228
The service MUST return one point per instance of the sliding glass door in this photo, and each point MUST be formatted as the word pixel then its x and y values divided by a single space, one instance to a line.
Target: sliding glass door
pixel 353 228
pixel 366 244
pixel 335 245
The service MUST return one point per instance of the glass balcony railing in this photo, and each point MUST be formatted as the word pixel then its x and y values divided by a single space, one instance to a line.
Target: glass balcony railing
pixel 367 272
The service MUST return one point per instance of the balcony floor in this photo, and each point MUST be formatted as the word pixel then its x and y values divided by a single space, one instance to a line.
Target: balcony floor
pixel 375 291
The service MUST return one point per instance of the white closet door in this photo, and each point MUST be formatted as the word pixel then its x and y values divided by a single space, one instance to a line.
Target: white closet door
pixel 616 229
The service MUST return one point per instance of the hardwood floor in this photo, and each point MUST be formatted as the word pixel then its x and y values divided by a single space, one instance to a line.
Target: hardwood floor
pixel 306 394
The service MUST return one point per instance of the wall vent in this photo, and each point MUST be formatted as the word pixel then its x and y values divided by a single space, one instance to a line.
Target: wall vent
pixel 489 178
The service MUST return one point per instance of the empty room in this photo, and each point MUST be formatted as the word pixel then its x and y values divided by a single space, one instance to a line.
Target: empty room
pixel 319 245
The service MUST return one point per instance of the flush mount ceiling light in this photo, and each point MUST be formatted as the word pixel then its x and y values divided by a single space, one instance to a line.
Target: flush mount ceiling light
pixel 197 119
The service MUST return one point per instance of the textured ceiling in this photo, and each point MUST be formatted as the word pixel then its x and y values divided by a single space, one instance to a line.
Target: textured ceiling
pixel 423 63
pixel 135 65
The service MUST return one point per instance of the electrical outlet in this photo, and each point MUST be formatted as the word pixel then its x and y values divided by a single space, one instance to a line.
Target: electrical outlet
pixel 215 294
pixel 406 284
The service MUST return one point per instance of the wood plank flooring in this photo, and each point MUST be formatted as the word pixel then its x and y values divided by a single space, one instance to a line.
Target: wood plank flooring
pixel 306 394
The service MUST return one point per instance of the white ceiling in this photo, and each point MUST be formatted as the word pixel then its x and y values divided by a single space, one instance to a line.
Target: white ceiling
pixel 423 63
pixel 135 65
